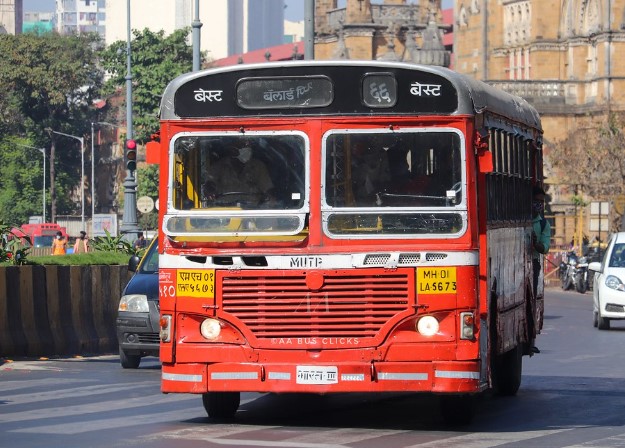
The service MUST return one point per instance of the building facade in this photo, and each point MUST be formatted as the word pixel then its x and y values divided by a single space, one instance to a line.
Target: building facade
pixel 11 16
pixel 563 57
pixel 393 30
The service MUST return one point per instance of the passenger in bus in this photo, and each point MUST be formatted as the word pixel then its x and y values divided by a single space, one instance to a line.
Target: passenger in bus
pixel 370 173
pixel 239 178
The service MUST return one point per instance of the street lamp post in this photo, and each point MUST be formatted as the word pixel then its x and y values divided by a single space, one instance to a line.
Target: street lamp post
pixel 93 123
pixel 130 226
pixel 82 173
pixel 43 188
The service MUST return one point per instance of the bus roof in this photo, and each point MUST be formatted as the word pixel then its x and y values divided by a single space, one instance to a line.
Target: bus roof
pixel 271 89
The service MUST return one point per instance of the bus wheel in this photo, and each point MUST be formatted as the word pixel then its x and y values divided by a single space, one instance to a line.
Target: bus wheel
pixel 129 361
pixel 508 372
pixel 457 409
pixel 221 405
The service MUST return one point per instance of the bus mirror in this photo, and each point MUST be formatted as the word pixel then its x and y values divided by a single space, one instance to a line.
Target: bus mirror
pixel 485 161
pixel 484 156
pixel 152 152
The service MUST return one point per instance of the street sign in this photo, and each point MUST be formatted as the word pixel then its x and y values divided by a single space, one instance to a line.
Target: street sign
pixel 145 204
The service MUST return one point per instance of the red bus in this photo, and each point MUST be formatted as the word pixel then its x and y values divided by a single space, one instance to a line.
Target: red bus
pixel 39 235
pixel 345 227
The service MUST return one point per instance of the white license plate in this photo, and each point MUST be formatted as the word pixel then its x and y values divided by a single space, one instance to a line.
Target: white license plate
pixel 317 375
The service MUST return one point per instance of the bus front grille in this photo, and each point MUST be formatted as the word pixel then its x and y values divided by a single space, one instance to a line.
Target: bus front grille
pixel 288 304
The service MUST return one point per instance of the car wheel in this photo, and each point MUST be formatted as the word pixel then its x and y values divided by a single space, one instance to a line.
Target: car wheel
pixel 595 319
pixel 129 361
pixel 602 322
pixel 221 405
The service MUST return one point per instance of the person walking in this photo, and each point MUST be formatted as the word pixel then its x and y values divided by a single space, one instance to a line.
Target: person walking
pixel 59 244
pixel 81 245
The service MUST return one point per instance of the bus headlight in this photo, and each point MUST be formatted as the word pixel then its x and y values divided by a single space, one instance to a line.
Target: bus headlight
pixel 428 326
pixel 210 329
pixel 136 303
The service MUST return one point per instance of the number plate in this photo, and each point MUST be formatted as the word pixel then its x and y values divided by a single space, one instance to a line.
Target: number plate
pixel 195 283
pixel 436 280
pixel 317 375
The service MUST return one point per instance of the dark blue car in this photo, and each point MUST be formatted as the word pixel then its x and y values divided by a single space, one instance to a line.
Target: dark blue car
pixel 138 312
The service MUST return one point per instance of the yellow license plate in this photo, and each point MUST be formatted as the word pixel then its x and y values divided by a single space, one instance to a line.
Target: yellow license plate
pixel 195 283
pixel 436 280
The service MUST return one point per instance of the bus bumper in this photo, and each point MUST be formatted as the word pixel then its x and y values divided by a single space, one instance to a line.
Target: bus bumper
pixel 437 377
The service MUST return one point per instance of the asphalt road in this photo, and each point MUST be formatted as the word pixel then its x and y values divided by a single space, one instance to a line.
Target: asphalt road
pixel 572 395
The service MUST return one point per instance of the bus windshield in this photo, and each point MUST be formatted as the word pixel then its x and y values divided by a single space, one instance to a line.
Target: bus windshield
pixel 400 174
pixel 258 178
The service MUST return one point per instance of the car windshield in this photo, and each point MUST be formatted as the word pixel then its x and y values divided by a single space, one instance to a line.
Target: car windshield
pixel 149 264
pixel 617 258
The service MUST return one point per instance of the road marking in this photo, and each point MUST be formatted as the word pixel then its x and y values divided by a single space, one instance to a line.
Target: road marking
pixel 489 440
pixel 96 389
pixel 91 408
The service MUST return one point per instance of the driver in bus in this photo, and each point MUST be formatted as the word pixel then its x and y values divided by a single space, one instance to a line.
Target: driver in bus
pixel 239 178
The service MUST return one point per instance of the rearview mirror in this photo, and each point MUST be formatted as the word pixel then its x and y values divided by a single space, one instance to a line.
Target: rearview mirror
pixel 133 263
pixel 595 266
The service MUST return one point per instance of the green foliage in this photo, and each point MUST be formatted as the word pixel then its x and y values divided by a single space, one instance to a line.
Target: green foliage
pixel 147 185
pixel 48 81
pixel 90 258
pixel 11 251
pixel 110 243
pixel 147 181
pixel 155 59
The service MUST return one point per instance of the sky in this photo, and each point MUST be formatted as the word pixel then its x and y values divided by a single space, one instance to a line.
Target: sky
pixel 294 10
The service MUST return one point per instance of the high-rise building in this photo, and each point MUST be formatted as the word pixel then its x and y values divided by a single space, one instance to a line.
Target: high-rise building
pixel 11 12
pixel 228 26
pixel 80 16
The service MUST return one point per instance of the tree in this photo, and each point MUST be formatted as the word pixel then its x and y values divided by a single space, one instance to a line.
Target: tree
pixel 593 158
pixel 147 185
pixel 49 82
pixel 156 59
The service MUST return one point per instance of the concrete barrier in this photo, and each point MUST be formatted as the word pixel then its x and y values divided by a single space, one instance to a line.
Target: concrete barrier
pixel 59 310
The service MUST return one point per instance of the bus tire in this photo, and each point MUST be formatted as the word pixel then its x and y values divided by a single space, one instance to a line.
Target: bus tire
pixel 221 405
pixel 508 372
pixel 129 361
pixel 457 410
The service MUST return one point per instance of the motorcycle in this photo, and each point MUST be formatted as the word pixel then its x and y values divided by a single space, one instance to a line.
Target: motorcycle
pixel 581 275
pixel 567 271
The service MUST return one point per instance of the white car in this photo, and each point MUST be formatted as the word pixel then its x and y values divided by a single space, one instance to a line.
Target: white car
pixel 609 288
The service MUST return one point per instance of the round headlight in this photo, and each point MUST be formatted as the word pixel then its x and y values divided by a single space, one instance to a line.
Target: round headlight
pixel 210 329
pixel 428 326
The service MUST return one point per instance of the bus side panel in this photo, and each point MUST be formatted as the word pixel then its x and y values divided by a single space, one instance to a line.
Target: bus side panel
pixel 509 280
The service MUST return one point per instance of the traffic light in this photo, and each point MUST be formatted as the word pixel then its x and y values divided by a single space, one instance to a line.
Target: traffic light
pixel 131 155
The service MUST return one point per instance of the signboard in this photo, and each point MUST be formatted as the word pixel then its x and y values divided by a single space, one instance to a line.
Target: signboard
pixel 145 204
pixel 104 223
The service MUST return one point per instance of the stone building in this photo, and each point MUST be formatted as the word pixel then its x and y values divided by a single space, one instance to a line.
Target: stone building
pixel 563 56
pixel 394 30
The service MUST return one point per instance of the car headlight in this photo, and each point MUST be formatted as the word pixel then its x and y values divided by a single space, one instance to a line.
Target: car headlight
pixel 614 282
pixel 136 303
